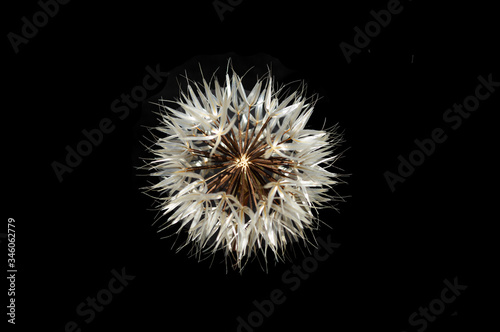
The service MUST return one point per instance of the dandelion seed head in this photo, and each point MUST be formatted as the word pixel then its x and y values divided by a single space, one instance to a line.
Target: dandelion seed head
pixel 238 170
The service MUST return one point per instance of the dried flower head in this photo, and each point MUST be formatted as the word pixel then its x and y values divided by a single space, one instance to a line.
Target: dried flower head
pixel 238 169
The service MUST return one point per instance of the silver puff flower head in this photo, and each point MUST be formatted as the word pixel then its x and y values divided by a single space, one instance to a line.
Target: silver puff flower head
pixel 238 169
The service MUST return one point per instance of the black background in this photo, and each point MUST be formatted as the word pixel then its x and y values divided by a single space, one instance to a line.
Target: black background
pixel 396 248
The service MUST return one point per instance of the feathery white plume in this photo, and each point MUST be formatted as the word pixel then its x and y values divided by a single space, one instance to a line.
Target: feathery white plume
pixel 237 168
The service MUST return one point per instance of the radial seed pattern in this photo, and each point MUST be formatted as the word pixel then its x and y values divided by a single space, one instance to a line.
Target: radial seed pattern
pixel 239 170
